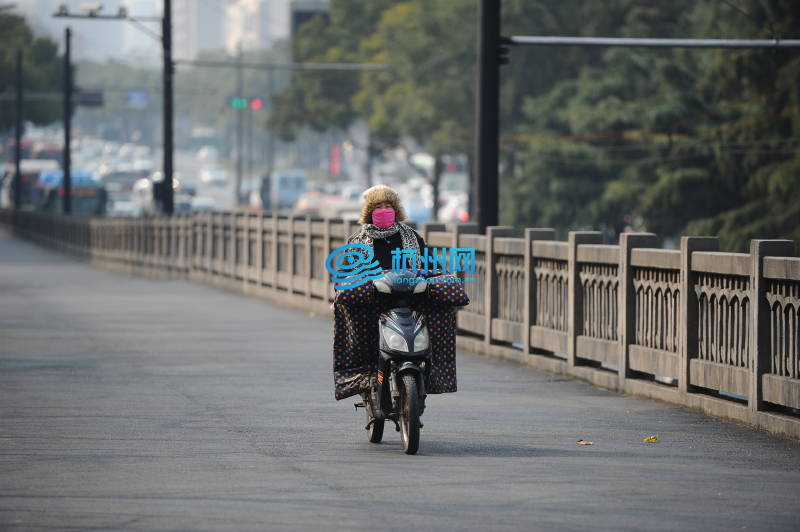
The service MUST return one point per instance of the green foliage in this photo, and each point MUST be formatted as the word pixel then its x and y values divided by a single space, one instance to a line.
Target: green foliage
pixel 682 141
pixel 323 99
pixel 428 95
pixel 690 141
pixel 42 71
pixel 673 141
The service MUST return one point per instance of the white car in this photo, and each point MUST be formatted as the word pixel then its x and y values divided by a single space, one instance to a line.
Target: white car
pixel 120 207
pixel 213 176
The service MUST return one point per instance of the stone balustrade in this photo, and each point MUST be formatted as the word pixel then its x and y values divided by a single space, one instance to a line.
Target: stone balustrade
pixel 719 332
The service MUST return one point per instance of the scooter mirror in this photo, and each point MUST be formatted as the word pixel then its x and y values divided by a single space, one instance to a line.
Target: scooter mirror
pixel 381 286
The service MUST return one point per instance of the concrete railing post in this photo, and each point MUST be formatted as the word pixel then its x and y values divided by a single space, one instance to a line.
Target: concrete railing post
pixel 490 287
pixel 180 243
pixel 529 298
pixel 688 304
pixel 326 250
pixel 209 258
pixel 458 229
pixel 235 221
pixel 760 312
pixel 574 289
pixel 246 253
pixel 199 248
pixel 428 227
pixel 292 254
pixel 259 252
pixel 308 266
pixel 174 225
pixel 273 265
pixel 627 296
pixel 189 251
pixel 177 243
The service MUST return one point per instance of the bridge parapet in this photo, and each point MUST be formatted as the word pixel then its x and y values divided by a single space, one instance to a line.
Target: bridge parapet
pixel 719 332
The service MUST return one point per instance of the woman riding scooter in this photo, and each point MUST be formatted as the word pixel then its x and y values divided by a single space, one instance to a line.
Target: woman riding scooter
pixel 355 344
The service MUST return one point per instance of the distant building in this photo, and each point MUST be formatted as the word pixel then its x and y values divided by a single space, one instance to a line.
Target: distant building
pixel 256 24
pixel 197 27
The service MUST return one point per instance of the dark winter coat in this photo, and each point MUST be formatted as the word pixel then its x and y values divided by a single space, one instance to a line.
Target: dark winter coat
pixel 355 342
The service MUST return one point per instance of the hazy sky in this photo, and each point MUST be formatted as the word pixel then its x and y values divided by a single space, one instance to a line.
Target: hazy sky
pixel 100 40
pixel 97 39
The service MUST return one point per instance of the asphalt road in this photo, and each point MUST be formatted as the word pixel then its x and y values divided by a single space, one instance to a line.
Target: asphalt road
pixel 132 404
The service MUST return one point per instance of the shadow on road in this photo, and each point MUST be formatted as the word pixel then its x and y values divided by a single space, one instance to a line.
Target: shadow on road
pixel 495 450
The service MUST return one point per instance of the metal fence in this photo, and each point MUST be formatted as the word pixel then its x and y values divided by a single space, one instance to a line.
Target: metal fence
pixel 719 332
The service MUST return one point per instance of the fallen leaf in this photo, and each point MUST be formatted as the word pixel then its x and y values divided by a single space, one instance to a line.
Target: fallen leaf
pixel 651 439
pixel 584 442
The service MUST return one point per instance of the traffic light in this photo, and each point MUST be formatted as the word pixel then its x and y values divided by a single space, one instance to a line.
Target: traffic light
pixel 503 50
pixel 238 102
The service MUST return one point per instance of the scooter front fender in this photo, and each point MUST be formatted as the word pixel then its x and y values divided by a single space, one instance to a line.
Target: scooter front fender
pixel 412 367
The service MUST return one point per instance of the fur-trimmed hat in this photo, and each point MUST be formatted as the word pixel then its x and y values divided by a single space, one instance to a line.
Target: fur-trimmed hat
pixel 378 194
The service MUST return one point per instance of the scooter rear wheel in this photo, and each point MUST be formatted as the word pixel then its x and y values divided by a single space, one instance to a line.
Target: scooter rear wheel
pixel 375 431
pixel 409 413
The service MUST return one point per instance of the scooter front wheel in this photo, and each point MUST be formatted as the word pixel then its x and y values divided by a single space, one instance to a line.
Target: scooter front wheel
pixel 409 413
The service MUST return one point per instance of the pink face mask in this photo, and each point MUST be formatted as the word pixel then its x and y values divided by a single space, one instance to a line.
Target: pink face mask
pixel 383 218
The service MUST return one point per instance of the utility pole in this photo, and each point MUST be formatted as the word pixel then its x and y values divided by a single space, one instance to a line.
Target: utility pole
pixel 249 160
pixel 18 136
pixel 169 69
pixel 487 109
pixel 239 127
pixel 66 205
pixel 270 139
pixel 94 12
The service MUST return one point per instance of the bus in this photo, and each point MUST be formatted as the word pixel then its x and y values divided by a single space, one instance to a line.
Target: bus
pixel 87 193
pixel 30 170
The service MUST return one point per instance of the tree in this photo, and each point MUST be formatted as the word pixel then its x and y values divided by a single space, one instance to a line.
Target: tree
pixel 681 141
pixel 42 71
pixel 755 149
pixel 690 141
pixel 323 99
pixel 428 94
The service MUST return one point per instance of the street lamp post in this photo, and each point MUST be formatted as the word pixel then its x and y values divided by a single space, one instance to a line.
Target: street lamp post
pixel 18 136
pixel 487 107
pixel 169 70
pixel 66 199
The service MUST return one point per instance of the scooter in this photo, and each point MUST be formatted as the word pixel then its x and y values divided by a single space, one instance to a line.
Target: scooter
pixel 404 362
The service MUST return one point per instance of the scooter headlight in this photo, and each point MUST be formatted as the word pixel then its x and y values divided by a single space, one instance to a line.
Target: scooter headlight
pixel 421 341
pixel 393 339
